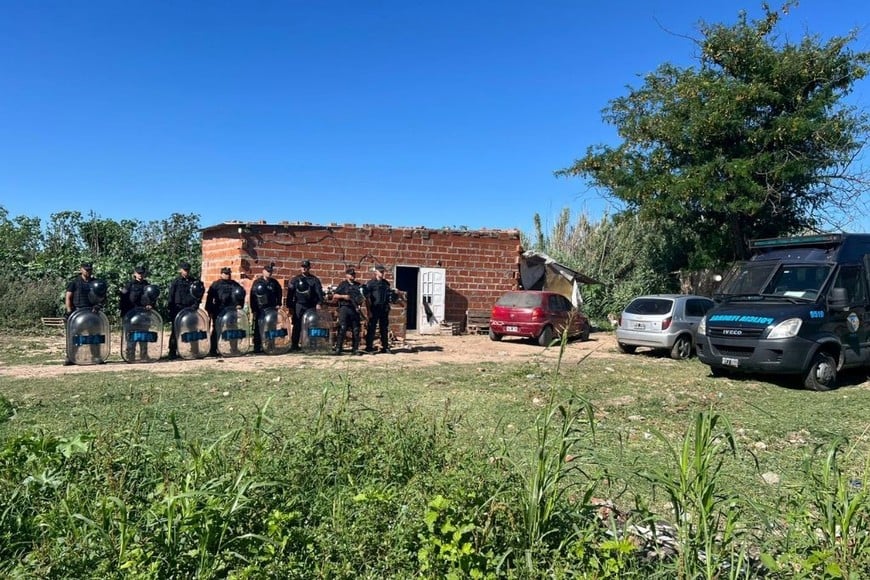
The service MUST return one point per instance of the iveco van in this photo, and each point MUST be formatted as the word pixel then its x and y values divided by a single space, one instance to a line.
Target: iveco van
pixel 800 306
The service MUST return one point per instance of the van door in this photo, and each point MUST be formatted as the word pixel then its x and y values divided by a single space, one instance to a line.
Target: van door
pixel 852 325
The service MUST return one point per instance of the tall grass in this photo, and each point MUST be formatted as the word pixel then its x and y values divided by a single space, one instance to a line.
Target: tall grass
pixel 706 514
pixel 358 492
pixel 825 526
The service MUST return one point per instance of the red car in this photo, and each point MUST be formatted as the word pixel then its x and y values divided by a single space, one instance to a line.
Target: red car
pixel 536 314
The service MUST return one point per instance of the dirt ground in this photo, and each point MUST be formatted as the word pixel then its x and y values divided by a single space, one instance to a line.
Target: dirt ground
pixel 417 350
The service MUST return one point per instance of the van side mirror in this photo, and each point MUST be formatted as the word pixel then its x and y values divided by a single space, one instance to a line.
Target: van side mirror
pixel 838 299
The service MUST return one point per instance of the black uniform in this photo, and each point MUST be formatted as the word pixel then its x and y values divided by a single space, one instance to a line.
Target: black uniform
pixel 272 299
pixel 378 293
pixel 303 293
pixel 81 290
pixel 132 295
pixel 179 299
pixel 348 316
pixel 220 296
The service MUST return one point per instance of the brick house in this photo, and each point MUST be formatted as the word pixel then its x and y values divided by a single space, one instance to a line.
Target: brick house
pixel 452 271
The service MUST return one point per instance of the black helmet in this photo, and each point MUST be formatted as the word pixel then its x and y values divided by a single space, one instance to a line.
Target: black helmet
pixel 150 294
pixel 98 291
pixel 238 296
pixel 197 290
pixel 261 292
pixel 260 288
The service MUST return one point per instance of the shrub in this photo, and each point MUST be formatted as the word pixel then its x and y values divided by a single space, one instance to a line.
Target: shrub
pixel 24 301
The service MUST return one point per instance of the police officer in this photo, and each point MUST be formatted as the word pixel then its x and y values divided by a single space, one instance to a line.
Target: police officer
pixel 78 292
pixel 220 296
pixel 349 295
pixel 303 293
pixel 378 295
pixel 78 289
pixel 180 298
pixel 133 296
pixel 133 293
pixel 272 298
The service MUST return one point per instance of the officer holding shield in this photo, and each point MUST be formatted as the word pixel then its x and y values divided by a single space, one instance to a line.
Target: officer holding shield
pixel 221 294
pixel 180 297
pixel 270 296
pixel 79 295
pixel 78 289
pixel 134 295
pixel 303 293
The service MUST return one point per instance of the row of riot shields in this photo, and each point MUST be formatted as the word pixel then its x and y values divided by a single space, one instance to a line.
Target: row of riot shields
pixel 88 334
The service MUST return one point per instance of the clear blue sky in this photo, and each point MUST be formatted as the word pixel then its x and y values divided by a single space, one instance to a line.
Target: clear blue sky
pixel 450 113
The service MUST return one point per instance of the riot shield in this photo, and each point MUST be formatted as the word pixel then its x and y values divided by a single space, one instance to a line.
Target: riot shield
pixel 87 337
pixel 233 332
pixel 141 336
pixel 316 330
pixel 192 333
pixel 273 331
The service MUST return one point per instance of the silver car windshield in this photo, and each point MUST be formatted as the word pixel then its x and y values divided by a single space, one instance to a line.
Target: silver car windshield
pixel 775 279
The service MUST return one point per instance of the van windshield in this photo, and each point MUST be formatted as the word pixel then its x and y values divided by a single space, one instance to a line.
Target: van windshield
pixel 803 281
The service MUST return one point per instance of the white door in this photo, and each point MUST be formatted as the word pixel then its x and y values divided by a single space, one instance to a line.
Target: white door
pixel 432 291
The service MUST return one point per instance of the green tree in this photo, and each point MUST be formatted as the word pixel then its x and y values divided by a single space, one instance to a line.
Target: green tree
pixel 40 261
pixel 755 141
pixel 20 240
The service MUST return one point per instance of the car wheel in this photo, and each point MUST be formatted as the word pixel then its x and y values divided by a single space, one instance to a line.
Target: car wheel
pixel 546 336
pixel 682 348
pixel 626 348
pixel 493 336
pixel 822 374
pixel 584 335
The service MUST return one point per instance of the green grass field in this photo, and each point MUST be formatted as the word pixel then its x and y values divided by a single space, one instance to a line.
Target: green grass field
pixel 640 404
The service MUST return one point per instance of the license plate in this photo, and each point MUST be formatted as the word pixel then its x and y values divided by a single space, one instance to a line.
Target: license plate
pixel 639 326
pixel 511 328
pixel 730 362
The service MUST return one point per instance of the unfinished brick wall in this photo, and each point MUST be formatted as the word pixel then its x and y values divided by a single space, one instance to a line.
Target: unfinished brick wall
pixel 479 265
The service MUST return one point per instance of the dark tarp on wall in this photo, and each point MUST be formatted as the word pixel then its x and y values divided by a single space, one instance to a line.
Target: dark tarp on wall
pixel 538 271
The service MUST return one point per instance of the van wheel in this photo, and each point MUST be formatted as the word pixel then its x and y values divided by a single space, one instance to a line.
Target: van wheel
pixel 626 348
pixel 682 348
pixel 546 336
pixel 493 336
pixel 822 374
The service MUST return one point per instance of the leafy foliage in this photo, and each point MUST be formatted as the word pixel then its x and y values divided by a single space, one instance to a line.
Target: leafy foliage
pixel 42 259
pixel 753 142
pixel 628 255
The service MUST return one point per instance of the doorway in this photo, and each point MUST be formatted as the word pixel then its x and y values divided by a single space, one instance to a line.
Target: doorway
pixel 406 281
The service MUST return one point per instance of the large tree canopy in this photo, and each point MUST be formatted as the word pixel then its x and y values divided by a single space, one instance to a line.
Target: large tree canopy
pixel 754 141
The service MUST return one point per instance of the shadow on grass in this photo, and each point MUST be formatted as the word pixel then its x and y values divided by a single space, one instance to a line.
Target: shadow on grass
pixel 849 378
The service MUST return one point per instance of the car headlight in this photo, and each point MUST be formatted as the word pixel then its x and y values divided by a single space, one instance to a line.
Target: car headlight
pixel 702 326
pixel 786 328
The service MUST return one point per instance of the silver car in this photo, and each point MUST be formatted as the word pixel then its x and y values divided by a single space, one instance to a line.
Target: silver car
pixel 662 321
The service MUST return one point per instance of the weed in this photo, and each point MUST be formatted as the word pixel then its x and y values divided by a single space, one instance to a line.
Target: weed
pixel 827 520
pixel 706 513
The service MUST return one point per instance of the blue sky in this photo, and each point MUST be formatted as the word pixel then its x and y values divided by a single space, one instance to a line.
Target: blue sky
pixel 451 113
